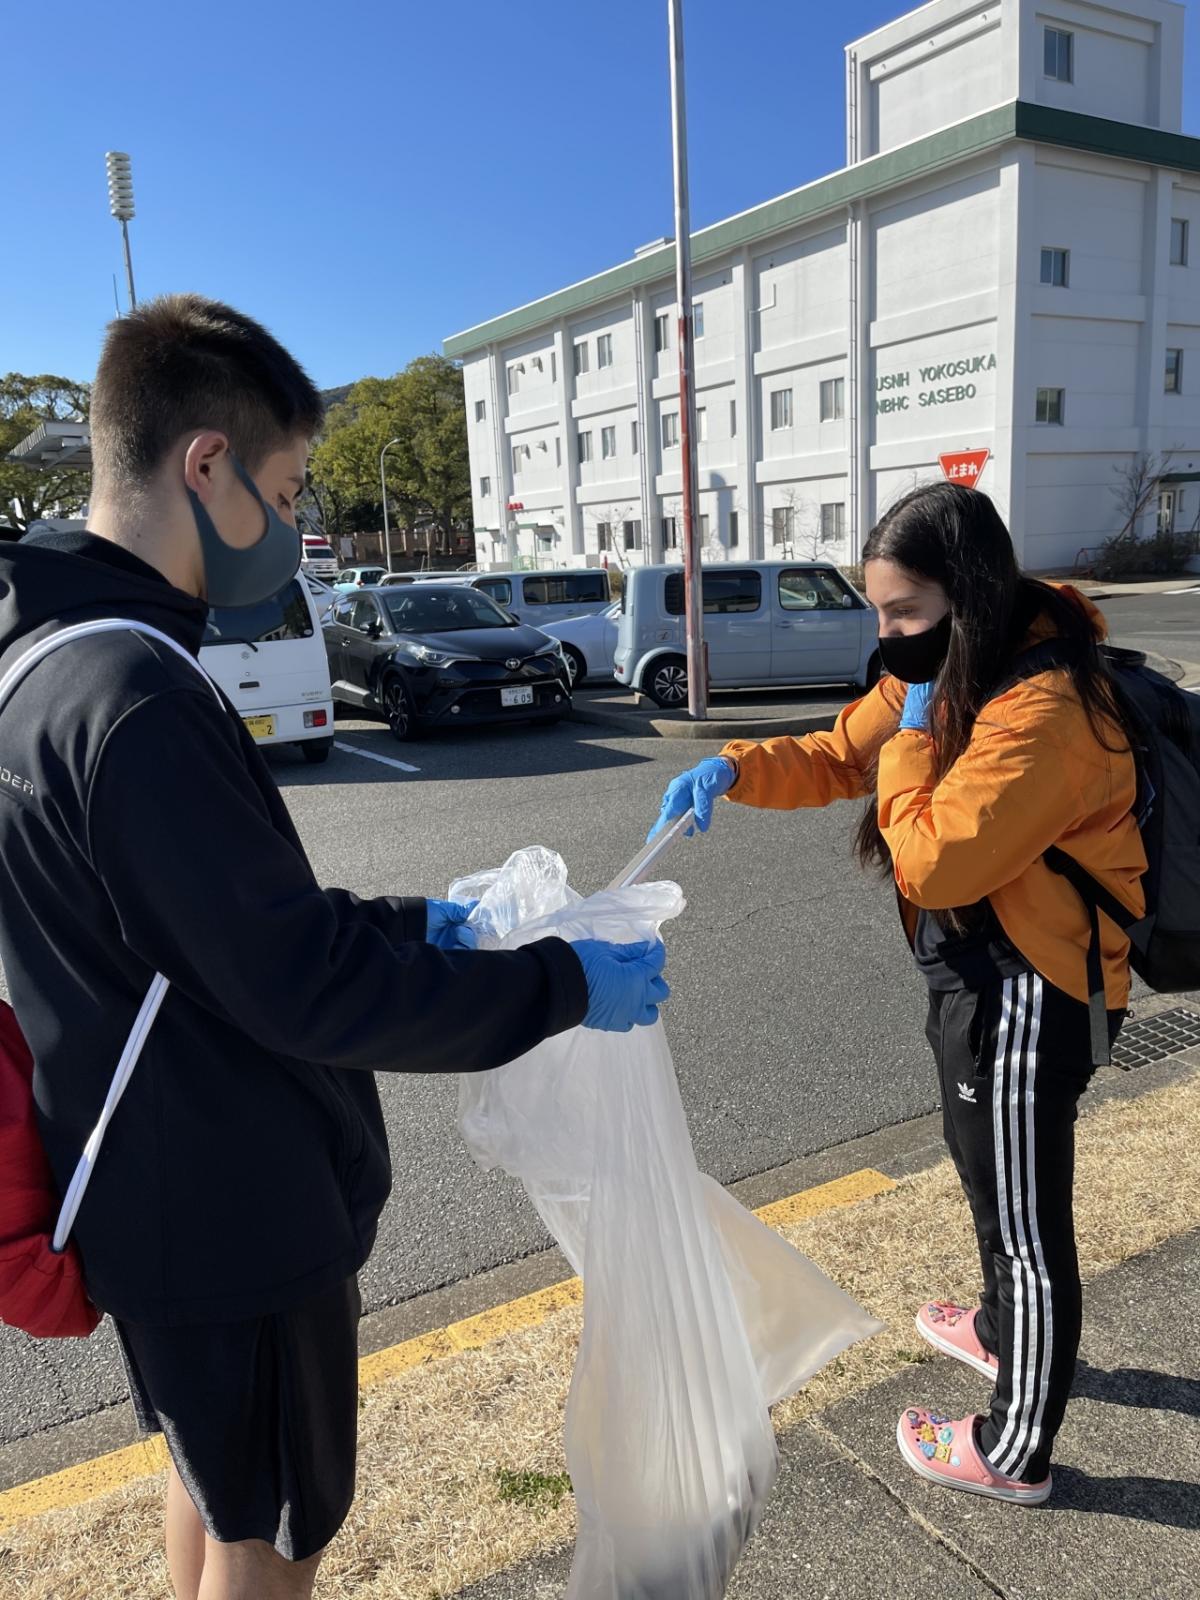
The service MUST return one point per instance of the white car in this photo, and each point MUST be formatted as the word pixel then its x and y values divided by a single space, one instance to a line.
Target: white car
pixel 588 642
pixel 325 596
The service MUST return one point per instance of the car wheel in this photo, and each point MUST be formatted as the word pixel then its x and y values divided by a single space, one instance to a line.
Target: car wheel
pixel 666 682
pixel 316 750
pixel 872 674
pixel 576 665
pixel 398 709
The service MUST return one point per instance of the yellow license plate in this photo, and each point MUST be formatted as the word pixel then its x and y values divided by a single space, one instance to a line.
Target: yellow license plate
pixel 260 727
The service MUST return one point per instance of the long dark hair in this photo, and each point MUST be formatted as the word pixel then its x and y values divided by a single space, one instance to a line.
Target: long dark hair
pixel 947 534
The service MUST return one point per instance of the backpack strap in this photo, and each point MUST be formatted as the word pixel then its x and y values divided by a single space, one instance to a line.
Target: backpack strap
pixel 1048 656
pixel 157 991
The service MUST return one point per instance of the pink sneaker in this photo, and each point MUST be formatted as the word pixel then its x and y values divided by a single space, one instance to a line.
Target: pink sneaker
pixel 945 1452
pixel 951 1329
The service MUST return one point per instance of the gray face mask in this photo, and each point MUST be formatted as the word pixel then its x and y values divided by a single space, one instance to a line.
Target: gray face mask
pixel 244 577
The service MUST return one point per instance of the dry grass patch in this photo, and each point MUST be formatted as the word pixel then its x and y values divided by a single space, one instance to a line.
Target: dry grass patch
pixel 460 1461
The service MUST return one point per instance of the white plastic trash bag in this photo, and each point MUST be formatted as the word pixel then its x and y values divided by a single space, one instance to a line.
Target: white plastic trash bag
pixel 696 1317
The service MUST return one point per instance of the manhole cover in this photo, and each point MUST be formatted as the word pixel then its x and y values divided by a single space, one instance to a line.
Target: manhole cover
pixel 1153 1038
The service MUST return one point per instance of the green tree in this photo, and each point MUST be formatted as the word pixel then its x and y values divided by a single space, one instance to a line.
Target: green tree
pixel 428 469
pixel 27 493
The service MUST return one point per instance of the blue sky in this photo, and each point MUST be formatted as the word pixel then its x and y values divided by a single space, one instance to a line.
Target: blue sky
pixel 367 178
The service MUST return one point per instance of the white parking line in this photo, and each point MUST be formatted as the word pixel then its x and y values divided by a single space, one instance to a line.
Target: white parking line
pixel 1191 589
pixel 369 755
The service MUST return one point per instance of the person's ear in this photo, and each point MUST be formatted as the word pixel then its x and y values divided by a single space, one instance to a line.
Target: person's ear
pixel 199 461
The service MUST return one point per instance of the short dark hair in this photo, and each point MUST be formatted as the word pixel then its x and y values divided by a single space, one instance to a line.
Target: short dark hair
pixel 183 362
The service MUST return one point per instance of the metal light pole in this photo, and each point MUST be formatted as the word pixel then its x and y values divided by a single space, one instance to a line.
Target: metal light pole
pixel 387 536
pixel 120 203
pixel 697 662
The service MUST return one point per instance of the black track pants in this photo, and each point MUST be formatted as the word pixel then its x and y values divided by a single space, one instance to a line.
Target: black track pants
pixel 1013 1060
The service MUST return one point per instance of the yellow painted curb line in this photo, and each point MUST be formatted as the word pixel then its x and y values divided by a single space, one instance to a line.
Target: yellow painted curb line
pixel 73 1485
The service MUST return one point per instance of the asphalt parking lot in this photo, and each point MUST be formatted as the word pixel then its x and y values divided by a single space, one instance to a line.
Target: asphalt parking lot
pixel 795 1021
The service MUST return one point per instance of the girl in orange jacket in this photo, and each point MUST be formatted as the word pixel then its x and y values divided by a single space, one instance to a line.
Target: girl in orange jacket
pixel 970 772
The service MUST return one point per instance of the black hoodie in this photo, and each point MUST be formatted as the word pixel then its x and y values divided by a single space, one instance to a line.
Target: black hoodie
pixel 140 831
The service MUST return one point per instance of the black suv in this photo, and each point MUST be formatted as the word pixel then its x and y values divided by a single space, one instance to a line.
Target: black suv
pixel 427 655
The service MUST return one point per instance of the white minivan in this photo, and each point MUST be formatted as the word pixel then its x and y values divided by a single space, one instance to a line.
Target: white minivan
pixel 539 597
pixel 270 660
pixel 765 623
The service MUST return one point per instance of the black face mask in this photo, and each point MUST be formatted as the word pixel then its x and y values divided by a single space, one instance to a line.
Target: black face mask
pixel 917 657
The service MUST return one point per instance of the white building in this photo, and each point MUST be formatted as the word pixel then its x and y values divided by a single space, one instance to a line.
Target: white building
pixel 1010 260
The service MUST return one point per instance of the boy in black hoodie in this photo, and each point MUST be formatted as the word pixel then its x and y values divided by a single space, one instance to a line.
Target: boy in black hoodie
pixel 240 1184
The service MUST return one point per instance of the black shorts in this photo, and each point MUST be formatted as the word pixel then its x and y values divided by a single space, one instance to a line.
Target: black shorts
pixel 260 1417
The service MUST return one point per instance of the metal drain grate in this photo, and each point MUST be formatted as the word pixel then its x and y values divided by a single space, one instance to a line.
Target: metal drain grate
pixel 1153 1038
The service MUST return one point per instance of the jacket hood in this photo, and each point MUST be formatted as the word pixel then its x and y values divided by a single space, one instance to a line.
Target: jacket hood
pixel 1043 628
pixel 60 578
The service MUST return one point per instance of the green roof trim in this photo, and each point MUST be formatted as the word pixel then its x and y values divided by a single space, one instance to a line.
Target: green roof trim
pixel 1017 120
pixel 1126 140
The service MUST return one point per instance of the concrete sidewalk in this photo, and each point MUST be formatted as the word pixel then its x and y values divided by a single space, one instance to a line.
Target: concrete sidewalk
pixel 732 714
pixel 849 1521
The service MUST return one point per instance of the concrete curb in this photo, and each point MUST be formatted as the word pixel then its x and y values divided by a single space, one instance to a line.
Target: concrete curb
pixel 637 725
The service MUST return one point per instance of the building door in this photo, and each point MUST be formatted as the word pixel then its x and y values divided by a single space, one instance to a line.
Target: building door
pixel 1168 505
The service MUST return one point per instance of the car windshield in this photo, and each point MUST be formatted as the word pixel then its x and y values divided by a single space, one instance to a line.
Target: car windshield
pixel 284 616
pixel 444 611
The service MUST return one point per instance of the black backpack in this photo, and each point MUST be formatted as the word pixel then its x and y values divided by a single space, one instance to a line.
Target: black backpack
pixel 1165 943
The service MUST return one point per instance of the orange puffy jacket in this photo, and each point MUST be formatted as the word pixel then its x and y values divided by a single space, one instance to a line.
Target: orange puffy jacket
pixel 1034 774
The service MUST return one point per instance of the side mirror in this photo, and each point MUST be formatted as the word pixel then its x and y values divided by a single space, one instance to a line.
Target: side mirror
pixel 847 601
pixel 375 629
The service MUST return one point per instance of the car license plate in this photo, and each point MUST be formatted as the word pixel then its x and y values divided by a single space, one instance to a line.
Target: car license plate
pixel 260 727
pixel 516 697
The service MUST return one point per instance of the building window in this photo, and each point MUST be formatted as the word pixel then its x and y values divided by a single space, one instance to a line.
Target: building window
pixel 608 443
pixel 485 488
pixel 1054 267
pixel 514 380
pixel 1179 241
pixel 781 409
pixel 670 533
pixel 733 419
pixel 516 459
pixel 782 521
pixel 670 429
pixel 1059 50
pixel 557 451
pixel 698 319
pixel 581 358
pixel 733 530
pixel 662 331
pixel 702 526
pixel 633 438
pixel 632 532
pixel 1050 405
pixel 833 399
pixel 585 447
pixel 833 522
pixel 701 423
pixel 604 350
pixel 1174 382
pixel 480 410
pixel 604 536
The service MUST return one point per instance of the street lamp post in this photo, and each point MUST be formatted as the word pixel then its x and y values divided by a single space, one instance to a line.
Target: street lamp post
pixel 697 665
pixel 387 536
pixel 120 203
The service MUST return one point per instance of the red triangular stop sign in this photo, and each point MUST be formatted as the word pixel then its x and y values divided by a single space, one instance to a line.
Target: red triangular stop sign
pixel 964 466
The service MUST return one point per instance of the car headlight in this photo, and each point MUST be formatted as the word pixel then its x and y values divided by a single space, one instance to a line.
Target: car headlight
pixel 553 648
pixel 428 657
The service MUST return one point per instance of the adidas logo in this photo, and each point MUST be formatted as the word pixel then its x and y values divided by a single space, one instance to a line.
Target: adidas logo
pixel 966 1091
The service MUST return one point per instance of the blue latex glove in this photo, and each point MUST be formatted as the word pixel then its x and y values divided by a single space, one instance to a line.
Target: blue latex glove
pixel 916 707
pixel 624 982
pixel 444 924
pixel 696 790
